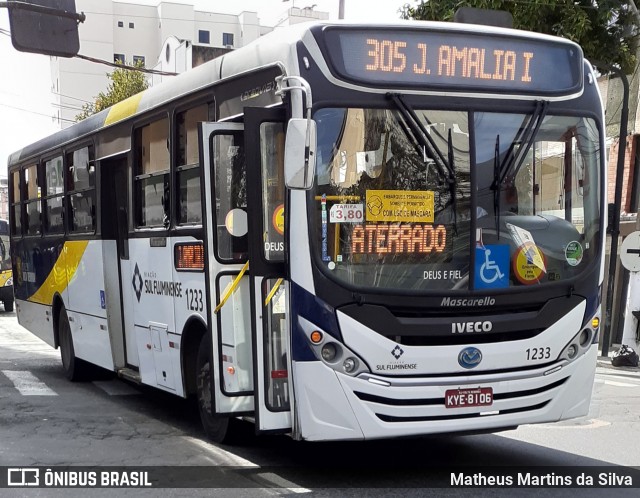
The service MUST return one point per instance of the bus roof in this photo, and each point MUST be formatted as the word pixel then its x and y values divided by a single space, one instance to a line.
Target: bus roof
pixel 275 48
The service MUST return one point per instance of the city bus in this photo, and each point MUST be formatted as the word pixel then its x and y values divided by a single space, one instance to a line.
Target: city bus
pixel 6 275
pixel 341 231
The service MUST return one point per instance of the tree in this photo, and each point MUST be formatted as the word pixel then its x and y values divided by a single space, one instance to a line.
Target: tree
pixel 605 29
pixel 124 84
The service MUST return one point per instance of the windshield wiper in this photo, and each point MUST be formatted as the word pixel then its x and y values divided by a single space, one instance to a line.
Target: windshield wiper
pixel 525 138
pixel 452 184
pixel 513 159
pixel 423 137
pixel 420 133
pixel 496 185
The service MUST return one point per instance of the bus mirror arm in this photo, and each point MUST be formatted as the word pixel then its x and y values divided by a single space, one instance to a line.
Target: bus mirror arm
pixel 300 143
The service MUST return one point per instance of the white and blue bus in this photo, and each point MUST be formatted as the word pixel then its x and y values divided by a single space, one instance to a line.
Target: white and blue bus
pixel 340 231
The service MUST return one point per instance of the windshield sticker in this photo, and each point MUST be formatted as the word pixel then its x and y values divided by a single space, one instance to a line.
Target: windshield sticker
pixel 325 251
pixel 453 275
pixel 346 213
pixel 573 253
pixel 519 235
pixel 278 219
pixel 392 239
pixel 413 206
pixel 492 267
pixel 528 264
pixel 522 238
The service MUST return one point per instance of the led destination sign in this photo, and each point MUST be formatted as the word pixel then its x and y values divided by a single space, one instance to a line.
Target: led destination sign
pixel 402 238
pixel 456 60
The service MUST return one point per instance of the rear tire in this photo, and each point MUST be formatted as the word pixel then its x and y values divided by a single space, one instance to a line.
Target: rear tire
pixel 74 368
pixel 215 426
pixel 8 305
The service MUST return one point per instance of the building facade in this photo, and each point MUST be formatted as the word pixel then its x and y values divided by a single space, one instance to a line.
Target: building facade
pixel 170 37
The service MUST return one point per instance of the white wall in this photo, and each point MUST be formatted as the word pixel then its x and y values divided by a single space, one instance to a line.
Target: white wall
pixel 153 28
pixel 141 40
pixel 79 79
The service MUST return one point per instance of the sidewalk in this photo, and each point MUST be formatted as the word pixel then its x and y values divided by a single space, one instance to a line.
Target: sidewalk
pixel 605 362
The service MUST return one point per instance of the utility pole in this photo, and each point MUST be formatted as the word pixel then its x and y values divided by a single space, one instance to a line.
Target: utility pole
pixel 631 322
pixel 614 229
pixel 341 9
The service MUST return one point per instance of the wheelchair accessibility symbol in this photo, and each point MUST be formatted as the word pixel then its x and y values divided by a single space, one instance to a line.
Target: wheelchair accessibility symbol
pixel 492 267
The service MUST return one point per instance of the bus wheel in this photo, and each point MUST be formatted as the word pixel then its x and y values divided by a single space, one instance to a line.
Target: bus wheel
pixel 74 368
pixel 8 305
pixel 215 427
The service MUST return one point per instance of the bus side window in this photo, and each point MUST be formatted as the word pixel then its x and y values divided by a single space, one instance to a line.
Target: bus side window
pixel 272 160
pixel 230 196
pixel 53 195
pixel 189 209
pixel 152 203
pixel 16 206
pixel 81 187
pixel 33 208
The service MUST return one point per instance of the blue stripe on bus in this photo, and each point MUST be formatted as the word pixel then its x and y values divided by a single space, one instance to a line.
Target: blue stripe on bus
pixel 317 312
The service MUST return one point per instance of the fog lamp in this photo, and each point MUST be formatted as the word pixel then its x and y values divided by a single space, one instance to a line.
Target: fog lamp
pixel 350 364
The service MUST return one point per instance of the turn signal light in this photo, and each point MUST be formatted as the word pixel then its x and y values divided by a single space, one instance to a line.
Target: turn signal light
pixel 189 256
pixel 595 323
pixel 316 337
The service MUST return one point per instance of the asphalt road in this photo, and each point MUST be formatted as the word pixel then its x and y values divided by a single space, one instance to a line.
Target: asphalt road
pixel 47 421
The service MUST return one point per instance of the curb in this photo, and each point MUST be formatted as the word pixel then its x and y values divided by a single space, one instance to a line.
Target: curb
pixel 605 362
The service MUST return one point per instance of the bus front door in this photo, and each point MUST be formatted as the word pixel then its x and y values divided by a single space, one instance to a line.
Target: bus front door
pixel 227 289
pixel 244 223
pixel 266 194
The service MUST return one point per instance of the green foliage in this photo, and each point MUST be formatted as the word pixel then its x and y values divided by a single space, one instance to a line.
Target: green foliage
pixel 605 29
pixel 124 83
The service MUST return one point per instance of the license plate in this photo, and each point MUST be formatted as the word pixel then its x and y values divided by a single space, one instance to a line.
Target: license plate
pixel 463 398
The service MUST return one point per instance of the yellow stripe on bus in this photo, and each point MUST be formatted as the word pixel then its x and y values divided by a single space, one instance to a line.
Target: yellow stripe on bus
pixel 4 276
pixel 124 109
pixel 63 272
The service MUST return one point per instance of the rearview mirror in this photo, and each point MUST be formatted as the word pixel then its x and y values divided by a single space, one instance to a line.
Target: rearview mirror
pixel 300 153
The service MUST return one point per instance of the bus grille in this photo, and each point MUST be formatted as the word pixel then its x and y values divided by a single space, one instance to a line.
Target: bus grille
pixel 380 402
pixel 389 418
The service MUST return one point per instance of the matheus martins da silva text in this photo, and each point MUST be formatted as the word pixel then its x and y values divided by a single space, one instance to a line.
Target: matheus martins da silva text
pixel 604 479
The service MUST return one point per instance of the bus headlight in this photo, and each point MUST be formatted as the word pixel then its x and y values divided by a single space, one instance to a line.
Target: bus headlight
pixel 331 351
pixel 9 282
pixel 583 340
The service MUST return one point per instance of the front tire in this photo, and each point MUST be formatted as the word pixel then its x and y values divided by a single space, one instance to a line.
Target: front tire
pixel 74 368
pixel 215 427
pixel 8 305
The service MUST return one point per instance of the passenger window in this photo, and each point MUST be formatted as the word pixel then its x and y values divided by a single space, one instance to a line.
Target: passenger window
pixel 16 207
pixel 81 174
pixel 230 196
pixel 152 205
pixel 54 195
pixel 273 192
pixel 189 209
pixel 33 209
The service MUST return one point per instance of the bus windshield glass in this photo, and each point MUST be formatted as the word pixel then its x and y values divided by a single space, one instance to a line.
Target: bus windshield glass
pixel 395 204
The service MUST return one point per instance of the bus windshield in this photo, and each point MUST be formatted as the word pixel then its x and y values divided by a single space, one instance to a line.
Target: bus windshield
pixel 394 210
